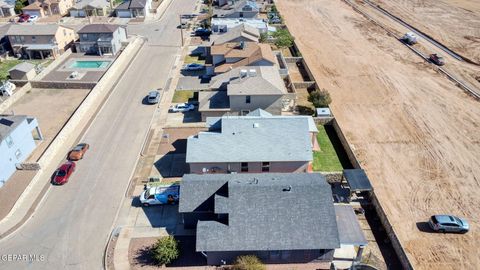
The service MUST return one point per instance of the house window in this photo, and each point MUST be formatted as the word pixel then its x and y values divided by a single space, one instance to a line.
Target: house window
pixel 9 141
pixel 84 36
pixel 241 14
pixel 18 153
pixel 248 99
pixel 265 166
pixel 244 167
pixel 34 39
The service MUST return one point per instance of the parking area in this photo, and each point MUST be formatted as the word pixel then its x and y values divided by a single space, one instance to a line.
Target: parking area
pixel 52 108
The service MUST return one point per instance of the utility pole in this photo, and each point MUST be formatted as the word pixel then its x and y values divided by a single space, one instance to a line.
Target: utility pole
pixel 181 28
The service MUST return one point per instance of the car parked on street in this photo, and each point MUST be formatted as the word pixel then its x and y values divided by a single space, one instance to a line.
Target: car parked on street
pixel 153 97
pixel 23 18
pixel 201 32
pixel 78 151
pixel 63 173
pixel 32 18
pixel 182 107
pixel 193 67
pixel 447 223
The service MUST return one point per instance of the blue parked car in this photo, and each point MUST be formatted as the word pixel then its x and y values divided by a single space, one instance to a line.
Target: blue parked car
pixel 447 223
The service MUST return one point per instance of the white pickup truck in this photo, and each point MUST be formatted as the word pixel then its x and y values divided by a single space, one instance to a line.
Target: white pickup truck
pixel 163 194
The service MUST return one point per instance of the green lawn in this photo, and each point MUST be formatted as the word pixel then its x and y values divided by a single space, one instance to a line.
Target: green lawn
pixel 325 160
pixel 183 96
pixel 8 64
pixel 193 59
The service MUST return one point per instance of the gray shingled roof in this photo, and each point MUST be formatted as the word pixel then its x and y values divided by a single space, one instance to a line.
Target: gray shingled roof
pixel 9 123
pixel 262 214
pixel 242 30
pixel 349 229
pixel 98 28
pixel 253 139
pixel 24 67
pixel 32 29
pixel 132 4
pixel 267 81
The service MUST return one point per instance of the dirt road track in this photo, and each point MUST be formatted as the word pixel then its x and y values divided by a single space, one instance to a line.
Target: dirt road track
pixel 415 133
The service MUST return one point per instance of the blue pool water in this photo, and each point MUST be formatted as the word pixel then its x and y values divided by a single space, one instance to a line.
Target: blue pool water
pixel 90 64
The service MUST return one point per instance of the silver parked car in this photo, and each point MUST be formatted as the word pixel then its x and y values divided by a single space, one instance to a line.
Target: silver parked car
pixel 153 97
pixel 447 223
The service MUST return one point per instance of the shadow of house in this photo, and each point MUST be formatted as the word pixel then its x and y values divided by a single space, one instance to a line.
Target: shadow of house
pixel 173 163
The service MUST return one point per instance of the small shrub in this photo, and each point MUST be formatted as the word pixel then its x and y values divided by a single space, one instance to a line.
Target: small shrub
pixel 248 262
pixel 165 250
pixel 320 98
pixel 283 38
pixel 263 37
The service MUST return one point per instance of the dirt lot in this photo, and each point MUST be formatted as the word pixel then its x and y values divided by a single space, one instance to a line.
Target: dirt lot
pixel 455 23
pixel 52 108
pixel 415 132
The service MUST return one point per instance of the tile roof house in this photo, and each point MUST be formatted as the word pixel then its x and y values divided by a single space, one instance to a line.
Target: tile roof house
pixel 279 217
pixel 85 8
pixel 40 40
pixel 17 142
pixel 239 33
pixel 42 8
pixel 242 90
pixel 227 56
pixel 133 8
pixel 238 9
pixel 253 143
pixel 101 39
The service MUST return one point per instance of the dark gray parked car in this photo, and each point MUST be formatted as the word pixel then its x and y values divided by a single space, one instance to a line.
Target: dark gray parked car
pixel 153 97
pixel 446 223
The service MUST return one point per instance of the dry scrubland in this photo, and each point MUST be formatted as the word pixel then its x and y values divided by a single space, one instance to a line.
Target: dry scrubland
pixel 416 134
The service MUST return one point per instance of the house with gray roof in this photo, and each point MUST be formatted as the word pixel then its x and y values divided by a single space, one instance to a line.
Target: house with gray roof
pixel 101 39
pixel 237 9
pixel 244 89
pixel 87 8
pixel 239 33
pixel 279 217
pixel 133 8
pixel 17 142
pixel 255 143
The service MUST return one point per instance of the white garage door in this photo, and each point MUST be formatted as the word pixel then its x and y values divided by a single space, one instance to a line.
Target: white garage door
pixel 32 12
pixel 123 14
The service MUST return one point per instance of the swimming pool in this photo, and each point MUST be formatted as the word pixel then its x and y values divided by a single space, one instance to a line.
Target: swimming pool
pixel 90 64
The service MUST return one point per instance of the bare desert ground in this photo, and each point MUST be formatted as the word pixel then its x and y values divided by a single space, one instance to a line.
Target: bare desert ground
pixel 455 23
pixel 416 134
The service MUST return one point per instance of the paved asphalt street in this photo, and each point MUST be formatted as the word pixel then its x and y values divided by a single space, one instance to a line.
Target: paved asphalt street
pixel 71 226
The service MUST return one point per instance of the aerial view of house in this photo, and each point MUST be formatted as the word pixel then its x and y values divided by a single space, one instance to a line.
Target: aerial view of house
pixel 251 143
pixel 17 142
pixel 244 89
pixel 86 8
pixel 239 134
pixel 40 40
pixel 133 8
pixel 42 8
pixel 101 39
pixel 233 215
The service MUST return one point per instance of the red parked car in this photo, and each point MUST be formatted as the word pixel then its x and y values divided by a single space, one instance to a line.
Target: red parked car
pixel 24 18
pixel 63 173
